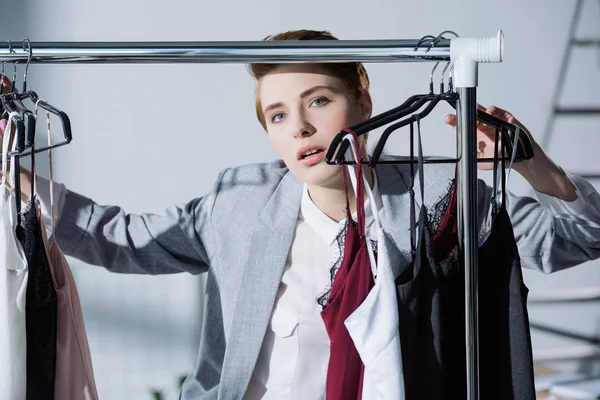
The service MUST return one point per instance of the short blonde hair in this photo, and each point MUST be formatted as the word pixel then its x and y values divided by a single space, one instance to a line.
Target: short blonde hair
pixel 353 75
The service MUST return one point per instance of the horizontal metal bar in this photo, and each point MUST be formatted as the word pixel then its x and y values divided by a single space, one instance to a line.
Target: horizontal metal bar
pixel 577 110
pixel 229 52
pixel 586 42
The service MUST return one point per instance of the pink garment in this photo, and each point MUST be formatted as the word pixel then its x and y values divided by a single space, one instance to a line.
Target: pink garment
pixel 74 373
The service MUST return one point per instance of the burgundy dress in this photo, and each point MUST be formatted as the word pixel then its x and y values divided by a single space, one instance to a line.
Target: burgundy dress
pixel 350 287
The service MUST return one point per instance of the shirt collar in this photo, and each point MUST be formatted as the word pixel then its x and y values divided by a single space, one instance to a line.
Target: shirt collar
pixel 324 226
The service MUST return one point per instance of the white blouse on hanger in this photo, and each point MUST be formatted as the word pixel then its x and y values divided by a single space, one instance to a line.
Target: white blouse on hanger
pixel 13 288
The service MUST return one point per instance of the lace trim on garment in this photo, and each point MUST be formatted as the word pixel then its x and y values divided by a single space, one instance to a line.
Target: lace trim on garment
pixel 434 219
pixel 437 212
pixel 337 259
pixel 447 265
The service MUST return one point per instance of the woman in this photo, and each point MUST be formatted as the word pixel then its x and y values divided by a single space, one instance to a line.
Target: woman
pixel 268 234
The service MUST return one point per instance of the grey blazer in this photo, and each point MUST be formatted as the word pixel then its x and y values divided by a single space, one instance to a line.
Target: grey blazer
pixel 241 233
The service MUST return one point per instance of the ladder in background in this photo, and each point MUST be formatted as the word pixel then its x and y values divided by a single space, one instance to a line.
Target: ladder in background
pixel 561 111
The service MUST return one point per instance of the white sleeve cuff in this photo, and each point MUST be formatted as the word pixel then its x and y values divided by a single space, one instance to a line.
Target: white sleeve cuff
pixel 583 210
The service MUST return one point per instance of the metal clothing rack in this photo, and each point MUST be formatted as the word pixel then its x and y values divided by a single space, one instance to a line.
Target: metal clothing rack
pixel 465 53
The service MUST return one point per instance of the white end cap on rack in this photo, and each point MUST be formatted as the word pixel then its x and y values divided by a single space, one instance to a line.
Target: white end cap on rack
pixel 467 53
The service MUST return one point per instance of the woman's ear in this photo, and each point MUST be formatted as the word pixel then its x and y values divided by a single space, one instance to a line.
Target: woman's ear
pixel 366 105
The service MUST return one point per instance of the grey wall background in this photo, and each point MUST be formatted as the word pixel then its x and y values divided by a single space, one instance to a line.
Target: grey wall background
pixel 147 136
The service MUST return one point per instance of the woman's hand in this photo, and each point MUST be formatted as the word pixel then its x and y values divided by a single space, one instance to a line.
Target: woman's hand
pixel 486 135
pixel 541 172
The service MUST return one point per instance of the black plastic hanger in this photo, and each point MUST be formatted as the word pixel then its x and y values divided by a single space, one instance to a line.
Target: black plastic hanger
pixel 507 130
pixel 17 120
pixel 334 157
pixel 413 118
pixel 413 103
pixel 23 122
pixel 63 117
pixel 410 106
pixel 27 114
pixel 17 99
pixel 17 166
pixel 28 118
pixel 525 148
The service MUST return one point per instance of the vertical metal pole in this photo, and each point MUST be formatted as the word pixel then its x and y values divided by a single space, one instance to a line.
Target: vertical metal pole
pixel 468 227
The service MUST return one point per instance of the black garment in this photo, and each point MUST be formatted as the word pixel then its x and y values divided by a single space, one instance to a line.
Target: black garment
pixel 432 319
pixel 420 322
pixel 40 308
pixel 506 359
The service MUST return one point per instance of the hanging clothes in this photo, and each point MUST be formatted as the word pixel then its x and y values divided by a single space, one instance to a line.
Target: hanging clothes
pixel 41 306
pixel 505 351
pixel 74 371
pixel 351 286
pixel 506 356
pixel 373 326
pixel 13 287
pixel 41 310
pixel 421 319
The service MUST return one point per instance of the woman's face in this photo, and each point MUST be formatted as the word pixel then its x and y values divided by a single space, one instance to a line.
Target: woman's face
pixel 304 108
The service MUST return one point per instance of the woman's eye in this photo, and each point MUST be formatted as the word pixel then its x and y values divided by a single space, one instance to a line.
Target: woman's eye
pixel 277 117
pixel 319 102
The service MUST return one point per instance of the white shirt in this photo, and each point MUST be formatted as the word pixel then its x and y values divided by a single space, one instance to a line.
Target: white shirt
pixel 292 363
pixel 293 360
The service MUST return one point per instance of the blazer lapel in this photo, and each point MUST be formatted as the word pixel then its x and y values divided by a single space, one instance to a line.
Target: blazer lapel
pixel 270 244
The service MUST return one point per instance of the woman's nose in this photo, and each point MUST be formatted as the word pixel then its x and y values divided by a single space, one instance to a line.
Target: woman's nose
pixel 303 128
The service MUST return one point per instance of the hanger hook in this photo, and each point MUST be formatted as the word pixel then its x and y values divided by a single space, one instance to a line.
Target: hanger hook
pixel 434 43
pixel 423 39
pixel 441 37
pixel 431 77
pixel 29 51
pixel 14 79
pixel 442 77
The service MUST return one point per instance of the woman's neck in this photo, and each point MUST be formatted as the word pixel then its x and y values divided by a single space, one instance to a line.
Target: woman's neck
pixel 332 200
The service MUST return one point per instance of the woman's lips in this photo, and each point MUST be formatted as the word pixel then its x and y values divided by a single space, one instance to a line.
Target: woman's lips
pixel 313 159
